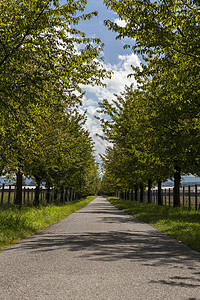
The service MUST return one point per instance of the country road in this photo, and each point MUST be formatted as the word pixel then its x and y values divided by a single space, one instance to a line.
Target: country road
pixel 100 253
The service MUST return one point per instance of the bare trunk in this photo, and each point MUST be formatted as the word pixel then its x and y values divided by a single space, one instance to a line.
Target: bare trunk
pixel 18 198
pixel 149 191
pixel 48 194
pixel 177 180
pixel 131 195
pixel 62 194
pixel 159 193
pixel 141 192
pixel 37 192
pixel 136 193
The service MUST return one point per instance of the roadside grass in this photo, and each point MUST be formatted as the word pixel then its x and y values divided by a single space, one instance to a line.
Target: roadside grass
pixel 16 223
pixel 180 223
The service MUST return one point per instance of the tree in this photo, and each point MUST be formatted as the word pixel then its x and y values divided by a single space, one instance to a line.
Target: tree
pixel 43 61
pixel 126 160
pixel 38 44
pixel 166 35
pixel 159 27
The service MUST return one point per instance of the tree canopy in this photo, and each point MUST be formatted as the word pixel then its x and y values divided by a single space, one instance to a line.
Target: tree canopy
pixel 44 60
pixel 159 118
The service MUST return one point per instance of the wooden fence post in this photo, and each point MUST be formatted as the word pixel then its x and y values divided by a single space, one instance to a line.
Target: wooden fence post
pixel 160 193
pixel 183 196
pixel 2 193
pixel 189 196
pixel 27 195
pixel 195 197
pixel 24 192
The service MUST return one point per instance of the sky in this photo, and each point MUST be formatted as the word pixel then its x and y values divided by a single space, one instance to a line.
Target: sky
pixel 116 59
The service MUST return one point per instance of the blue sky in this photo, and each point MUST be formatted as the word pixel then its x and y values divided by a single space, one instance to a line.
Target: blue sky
pixel 116 59
pixel 96 28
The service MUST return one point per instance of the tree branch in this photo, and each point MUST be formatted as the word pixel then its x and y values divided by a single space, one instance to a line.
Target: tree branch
pixel 25 35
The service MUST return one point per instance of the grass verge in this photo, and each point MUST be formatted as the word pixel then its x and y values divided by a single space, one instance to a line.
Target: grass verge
pixel 180 223
pixel 16 223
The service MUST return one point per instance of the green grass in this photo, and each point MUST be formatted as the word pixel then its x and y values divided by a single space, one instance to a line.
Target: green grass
pixel 180 223
pixel 16 223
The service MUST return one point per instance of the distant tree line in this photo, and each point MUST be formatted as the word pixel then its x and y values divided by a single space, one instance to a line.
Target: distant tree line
pixel 155 126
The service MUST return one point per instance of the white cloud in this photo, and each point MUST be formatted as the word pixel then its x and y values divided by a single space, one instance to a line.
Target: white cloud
pixel 114 85
pixel 121 23
pixel 119 78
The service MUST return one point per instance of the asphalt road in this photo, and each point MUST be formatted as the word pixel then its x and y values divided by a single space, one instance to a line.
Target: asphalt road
pixel 100 253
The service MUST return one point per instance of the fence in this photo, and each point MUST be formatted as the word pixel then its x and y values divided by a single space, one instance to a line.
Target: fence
pixel 8 194
pixel 189 196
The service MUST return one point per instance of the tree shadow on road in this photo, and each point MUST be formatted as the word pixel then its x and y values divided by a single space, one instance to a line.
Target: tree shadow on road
pixel 152 249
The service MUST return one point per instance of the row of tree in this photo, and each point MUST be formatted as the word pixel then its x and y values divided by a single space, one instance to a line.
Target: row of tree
pixel 44 60
pixel 154 126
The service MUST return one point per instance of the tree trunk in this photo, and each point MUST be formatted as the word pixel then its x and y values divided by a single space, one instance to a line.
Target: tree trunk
pixel 48 194
pixel 141 192
pixel 149 191
pixel 159 193
pixel 136 193
pixel 177 180
pixel 131 195
pixel 37 192
pixel 72 195
pixel 55 195
pixel 18 198
pixel 67 195
pixel 62 194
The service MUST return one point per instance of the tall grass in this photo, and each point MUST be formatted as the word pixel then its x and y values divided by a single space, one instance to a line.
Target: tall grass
pixel 180 223
pixel 17 223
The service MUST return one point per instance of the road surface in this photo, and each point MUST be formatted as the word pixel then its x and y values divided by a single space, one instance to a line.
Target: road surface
pixel 100 253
